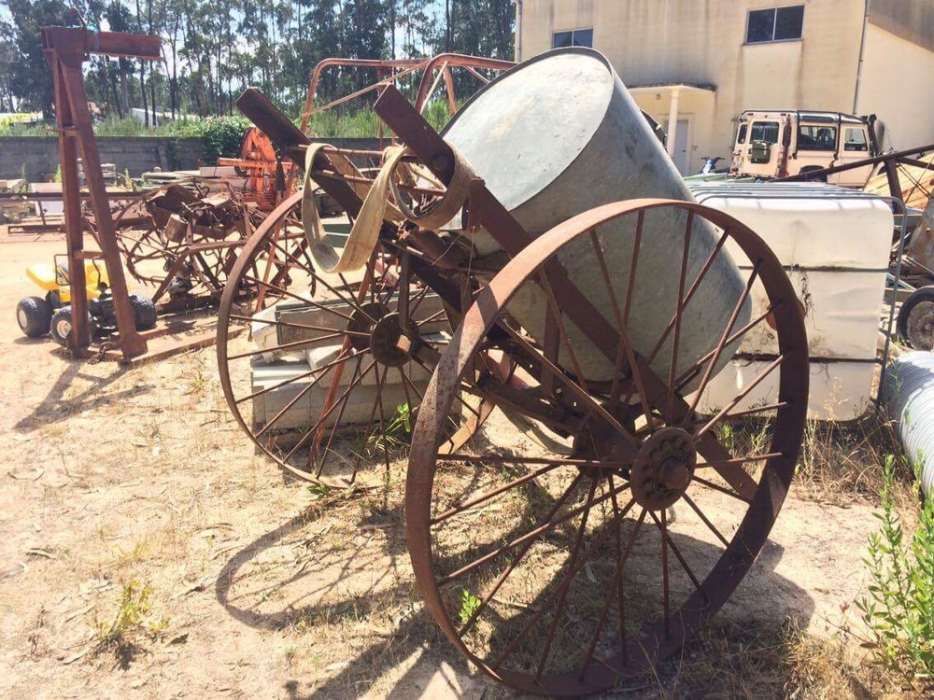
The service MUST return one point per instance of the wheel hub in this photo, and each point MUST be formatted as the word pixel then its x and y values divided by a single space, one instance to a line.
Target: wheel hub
pixel 374 327
pixel 663 469
pixel 362 322
pixel 390 346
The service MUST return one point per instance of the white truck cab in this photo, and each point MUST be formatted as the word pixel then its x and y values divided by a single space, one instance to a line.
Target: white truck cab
pixel 773 144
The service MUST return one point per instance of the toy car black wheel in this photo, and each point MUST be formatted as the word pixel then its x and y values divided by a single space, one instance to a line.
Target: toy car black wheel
pixel 54 300
pixel 144 312
pixel 34 316
pixel 916 319
pixel 62 323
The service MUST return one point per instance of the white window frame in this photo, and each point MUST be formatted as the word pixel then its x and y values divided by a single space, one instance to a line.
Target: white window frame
pixel 775 10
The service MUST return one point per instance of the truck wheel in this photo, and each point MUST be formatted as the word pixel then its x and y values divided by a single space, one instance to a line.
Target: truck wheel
pixel 34 316
pixel 916 319
pixel 144 312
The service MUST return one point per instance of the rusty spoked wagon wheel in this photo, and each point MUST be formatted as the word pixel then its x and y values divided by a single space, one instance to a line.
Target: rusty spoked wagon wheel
pixel 332 368
pixel 572 569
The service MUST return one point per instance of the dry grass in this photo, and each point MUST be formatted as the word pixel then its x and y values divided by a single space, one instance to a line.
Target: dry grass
pixel 839 463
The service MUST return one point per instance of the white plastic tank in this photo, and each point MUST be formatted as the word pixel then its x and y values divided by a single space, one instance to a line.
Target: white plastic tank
pixel 834 244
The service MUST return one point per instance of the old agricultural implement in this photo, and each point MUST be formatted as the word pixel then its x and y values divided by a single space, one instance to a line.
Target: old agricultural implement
pixel 494 281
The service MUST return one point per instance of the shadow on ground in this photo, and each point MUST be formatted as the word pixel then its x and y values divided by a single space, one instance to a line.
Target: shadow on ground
pixel 360 579
pixel 55 408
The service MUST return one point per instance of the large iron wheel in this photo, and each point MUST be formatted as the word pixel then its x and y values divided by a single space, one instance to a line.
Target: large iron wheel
pixel 331 369
pixel 572 565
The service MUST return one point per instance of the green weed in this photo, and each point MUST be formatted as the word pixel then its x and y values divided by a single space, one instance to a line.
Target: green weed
pixel 132 618
pixel 899 609
pixel 469 605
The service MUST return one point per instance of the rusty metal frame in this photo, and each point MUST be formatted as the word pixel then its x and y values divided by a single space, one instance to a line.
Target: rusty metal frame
pixel 66 50
pixel 889 161
pixel 389 71
pixel 535 260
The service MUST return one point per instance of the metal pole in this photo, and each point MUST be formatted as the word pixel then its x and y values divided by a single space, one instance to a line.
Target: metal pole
pixel 71 199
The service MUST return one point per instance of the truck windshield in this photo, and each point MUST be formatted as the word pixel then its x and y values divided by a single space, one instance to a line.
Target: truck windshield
pixel 764 131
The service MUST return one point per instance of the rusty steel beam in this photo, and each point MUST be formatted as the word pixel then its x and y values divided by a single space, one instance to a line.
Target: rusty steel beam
pixel 890 161
pixel 118 44
pixel 66 50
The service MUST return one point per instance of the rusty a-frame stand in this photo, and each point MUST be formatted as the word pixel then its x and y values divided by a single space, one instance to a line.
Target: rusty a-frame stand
pixel 66 50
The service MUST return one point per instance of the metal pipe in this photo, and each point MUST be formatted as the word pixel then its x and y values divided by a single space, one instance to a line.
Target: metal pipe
pixel 909 397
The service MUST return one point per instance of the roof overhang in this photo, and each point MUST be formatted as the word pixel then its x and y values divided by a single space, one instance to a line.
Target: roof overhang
pixel 672 87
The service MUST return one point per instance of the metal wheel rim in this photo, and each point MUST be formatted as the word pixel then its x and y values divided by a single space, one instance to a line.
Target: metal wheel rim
pixel 232 294
pixel 736 559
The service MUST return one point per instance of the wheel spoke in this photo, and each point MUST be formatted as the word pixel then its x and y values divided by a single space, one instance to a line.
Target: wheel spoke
pixel 518 558
pixel 663 526
pixel 286 346
pixel 337 421
pixel 690 293
pixel 687 569
pixel 625 345
pixel 621 556
pixel 308 302
pixel 706 521
pixel 566 584
pixel 718 350
pixel 739 460
pixel 477 500
pixel 467 568
pixel 679 312
pixel 717 487
pixel 285 409
pixel 308 433
pixel 742 395
pixel 688 375
pixel 290 324
pixel 290 380
pixel 578 392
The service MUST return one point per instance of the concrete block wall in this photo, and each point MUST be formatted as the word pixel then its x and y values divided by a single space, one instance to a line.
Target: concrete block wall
pixel 37 157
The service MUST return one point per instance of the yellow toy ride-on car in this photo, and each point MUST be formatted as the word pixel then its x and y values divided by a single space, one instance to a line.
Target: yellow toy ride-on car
pixel 38 316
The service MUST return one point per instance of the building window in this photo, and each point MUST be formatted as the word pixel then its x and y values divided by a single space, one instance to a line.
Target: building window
pixel 576 37
pixel 855 140
pixel 764 131
pixel 817 138
pixel 778 24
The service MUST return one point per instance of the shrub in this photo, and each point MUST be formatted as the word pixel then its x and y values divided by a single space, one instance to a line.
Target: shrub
pixel 221 136
pixel 899 609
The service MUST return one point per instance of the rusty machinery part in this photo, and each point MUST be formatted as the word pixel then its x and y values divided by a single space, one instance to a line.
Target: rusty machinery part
pixel 66 49
pixel 268 179
pixel 183 240
pixel 573 572
pixel 433 70
pixel 332 371
pixel 492 501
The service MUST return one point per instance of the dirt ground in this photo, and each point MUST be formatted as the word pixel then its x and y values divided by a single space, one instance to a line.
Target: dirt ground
pixel 130 501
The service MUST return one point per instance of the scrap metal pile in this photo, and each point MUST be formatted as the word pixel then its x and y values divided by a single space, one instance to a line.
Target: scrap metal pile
pixel 183 240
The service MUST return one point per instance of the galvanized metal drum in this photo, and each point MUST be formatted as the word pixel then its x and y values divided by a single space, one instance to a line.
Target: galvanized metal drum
pixel 559 135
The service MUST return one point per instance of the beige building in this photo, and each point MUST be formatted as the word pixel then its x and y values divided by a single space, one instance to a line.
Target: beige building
pixel 694 65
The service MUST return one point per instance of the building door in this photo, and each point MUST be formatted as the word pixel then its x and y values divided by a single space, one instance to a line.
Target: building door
pixel 680 156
